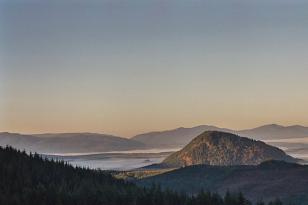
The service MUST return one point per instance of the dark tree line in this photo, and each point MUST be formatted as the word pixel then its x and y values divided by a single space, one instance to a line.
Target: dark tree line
pixel 32 180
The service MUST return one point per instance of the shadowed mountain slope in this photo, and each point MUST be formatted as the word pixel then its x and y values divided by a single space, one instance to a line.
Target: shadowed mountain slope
pixel 266 181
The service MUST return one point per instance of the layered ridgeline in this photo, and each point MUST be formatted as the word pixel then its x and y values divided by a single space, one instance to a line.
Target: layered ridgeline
pixel 221 148
pixel 274 131
pixel 178 138
pixel 68 142
pixel 174 138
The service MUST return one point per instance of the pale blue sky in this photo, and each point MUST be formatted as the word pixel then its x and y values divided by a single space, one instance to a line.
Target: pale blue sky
pixel 128 66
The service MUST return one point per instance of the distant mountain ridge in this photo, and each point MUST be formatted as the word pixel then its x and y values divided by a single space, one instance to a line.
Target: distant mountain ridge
pixel 274 131
pixel 181 136
pixel 68 142
pixel 176 138
pixel 224 149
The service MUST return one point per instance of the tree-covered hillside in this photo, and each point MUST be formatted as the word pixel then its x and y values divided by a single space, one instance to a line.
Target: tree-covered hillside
pixel 31 180
pixel 267 181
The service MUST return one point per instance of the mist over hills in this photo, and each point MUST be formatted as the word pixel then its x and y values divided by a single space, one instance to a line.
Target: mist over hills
pixel 224 149
pixel 275 131
pixel 182 136
pixel 176 138
pixel 68 142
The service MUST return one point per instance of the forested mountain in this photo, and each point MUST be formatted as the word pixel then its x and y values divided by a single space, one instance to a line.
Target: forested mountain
pixel 31 180
pixel 68 142
pixel 221 148
pixel 266 181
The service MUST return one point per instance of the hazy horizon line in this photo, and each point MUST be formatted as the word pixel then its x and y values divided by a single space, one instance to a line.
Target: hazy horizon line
pixel 154 131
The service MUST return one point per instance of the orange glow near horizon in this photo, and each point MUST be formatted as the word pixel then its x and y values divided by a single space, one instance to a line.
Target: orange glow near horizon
pixel 96 66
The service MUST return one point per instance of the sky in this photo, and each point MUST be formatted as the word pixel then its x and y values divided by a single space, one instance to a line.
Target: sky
pixel 130 66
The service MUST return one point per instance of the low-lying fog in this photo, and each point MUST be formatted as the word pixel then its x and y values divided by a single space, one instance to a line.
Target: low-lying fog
pixel 122 160
pixel 296 147
pixel 127 160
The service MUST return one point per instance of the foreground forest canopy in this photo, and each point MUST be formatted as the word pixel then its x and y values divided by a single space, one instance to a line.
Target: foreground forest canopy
pixel 30 179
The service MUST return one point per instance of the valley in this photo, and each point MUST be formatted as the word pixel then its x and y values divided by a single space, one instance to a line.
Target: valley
pixel 215 161
pixel 107 152
pixel 120 161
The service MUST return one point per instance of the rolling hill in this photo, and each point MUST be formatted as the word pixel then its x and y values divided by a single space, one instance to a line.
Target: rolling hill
pixel 275 131
pixel 178 138
pixel 69 142
pixel 174 138
pixel 221 148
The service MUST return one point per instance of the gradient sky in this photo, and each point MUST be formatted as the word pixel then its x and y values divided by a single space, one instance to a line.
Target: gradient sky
pixel 130 66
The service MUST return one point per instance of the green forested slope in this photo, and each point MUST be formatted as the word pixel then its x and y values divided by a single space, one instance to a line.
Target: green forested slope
pixel 31 180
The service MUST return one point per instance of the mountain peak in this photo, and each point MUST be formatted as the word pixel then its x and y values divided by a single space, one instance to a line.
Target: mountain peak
pixel 270 126
pixel 222 148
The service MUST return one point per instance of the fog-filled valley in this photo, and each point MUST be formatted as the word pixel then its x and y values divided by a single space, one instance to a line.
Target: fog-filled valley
pixel 216 161
pixel 107 152
pixel 115 161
